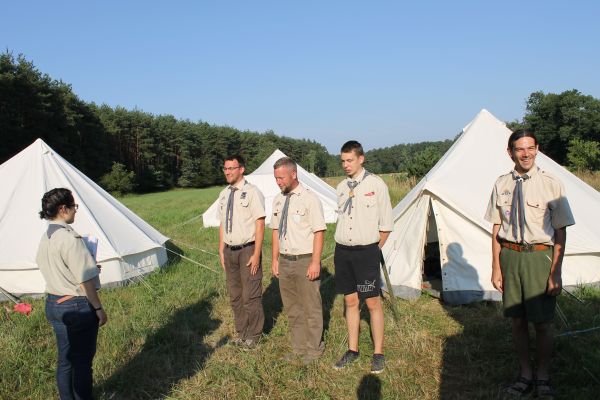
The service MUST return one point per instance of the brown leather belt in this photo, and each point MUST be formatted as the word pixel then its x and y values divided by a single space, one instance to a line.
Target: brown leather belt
pixel 525 248
pixel 294 257
pixel 64 298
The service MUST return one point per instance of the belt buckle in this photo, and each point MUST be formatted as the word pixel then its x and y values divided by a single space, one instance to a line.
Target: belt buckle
pixel 527 247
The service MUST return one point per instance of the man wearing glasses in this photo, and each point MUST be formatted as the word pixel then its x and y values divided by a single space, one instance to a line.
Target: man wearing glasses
pixel 242 215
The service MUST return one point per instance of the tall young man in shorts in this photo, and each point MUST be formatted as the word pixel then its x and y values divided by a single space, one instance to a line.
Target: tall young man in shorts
pixel 364 223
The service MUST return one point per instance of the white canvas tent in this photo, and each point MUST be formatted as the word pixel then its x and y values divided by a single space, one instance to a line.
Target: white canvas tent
pixel 127 245
pixel 263 178
pixel 448 206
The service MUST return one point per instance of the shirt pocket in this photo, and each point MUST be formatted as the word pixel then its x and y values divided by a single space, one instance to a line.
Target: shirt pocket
pixel 245 202
pixel 504 204
pixel 298 215
pixel 535 211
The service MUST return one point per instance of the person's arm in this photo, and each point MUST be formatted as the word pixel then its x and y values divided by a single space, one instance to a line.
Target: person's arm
pixel 89 288
pixel 221 247
pixel 275 253
pixel 555 278
pixel 497 280
pixel 254 261
pixel 383 236
pixel 314 268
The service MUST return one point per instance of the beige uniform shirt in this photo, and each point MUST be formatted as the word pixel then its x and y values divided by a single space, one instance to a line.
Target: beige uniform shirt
pixel 305 217
pixel 546 207
pixel 371 211
pixel 248 206
pixel 64 260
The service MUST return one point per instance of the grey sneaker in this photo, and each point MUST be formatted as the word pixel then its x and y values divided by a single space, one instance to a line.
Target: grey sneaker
pixel 249 344
pixel 378 364
pixel 236 342
pixel 347 358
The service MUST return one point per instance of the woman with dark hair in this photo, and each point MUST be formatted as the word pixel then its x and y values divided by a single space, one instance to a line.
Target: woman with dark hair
pixel 73 307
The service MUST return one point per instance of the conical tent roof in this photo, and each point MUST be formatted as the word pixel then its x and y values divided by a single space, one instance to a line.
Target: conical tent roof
pixel 448 206
pixel 34 171
pixel 263 178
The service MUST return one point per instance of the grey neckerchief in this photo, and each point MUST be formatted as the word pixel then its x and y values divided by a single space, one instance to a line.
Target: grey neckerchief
pixel 229 210
pixel 352 185
pixel 284 215
pixel 53 228
pixel 517 209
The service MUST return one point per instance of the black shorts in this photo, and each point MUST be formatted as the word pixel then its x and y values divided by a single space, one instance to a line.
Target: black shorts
pixel 357 270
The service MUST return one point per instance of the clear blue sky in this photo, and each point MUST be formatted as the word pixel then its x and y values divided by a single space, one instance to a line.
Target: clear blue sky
pixel 381 72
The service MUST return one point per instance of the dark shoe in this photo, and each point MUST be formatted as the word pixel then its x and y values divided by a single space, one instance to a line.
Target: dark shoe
pixel 347 358
pixel 522 387
pixel 544 390
pixel 377 364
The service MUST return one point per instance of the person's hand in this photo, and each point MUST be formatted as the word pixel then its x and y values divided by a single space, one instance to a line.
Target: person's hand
pixel 497 280
pixel 222 259
pixel 253 263
pixel 275 268
pixel 554 285
pixel 102 317
pixel 314 270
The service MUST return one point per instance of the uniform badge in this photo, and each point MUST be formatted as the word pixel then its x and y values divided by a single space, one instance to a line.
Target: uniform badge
pixel 243 195
pixel 370 194
pixel 505 193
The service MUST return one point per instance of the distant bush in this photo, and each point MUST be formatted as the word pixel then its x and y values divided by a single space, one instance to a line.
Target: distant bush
pixel 118 181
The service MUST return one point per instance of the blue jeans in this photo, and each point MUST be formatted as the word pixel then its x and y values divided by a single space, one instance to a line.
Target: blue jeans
pixel 76 327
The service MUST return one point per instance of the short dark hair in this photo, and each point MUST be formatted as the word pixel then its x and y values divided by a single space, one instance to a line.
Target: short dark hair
pixel 286 162
pixel 518 134
pixel 238 158
pixel 353 145
pixel 52 200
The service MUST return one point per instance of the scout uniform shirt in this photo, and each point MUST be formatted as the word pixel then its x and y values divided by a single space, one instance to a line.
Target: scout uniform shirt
pixel 64 260
pixel 546 207
pixel 304 218
pixel 371 211
pixel 248 206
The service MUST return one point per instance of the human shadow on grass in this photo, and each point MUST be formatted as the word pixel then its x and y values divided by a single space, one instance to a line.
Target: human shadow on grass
pixel 172 353
pixel 369 388
pixel 273 306
pixel 472 357
pixel 327 290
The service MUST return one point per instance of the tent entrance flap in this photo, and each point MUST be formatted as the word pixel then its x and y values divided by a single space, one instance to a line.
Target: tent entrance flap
pixel 432 266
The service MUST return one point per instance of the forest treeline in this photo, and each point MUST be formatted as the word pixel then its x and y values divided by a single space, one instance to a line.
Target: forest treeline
pixel 156 152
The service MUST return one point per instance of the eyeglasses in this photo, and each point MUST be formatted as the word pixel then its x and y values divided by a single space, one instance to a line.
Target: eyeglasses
pixel 75 206
pixel 225 169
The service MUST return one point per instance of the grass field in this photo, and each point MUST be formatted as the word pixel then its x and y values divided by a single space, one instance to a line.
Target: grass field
pixel 166 336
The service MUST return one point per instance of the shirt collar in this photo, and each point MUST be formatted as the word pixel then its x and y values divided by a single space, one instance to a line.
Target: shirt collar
pixel 239 185
pixel 359 177
pixel 532 171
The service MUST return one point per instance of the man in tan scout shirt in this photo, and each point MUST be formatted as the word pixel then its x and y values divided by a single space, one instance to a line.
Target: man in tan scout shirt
pixel 298 231
pixel 529 212
pixel 364 224
pixel 242 215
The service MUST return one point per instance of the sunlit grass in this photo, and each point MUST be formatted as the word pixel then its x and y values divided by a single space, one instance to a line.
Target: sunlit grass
pixel 166 338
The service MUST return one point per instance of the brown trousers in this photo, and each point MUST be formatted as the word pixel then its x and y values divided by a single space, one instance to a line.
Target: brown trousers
pixel 245 293
pixel 302 304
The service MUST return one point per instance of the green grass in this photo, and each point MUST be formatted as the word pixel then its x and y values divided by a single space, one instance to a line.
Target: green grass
pixel 166 337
